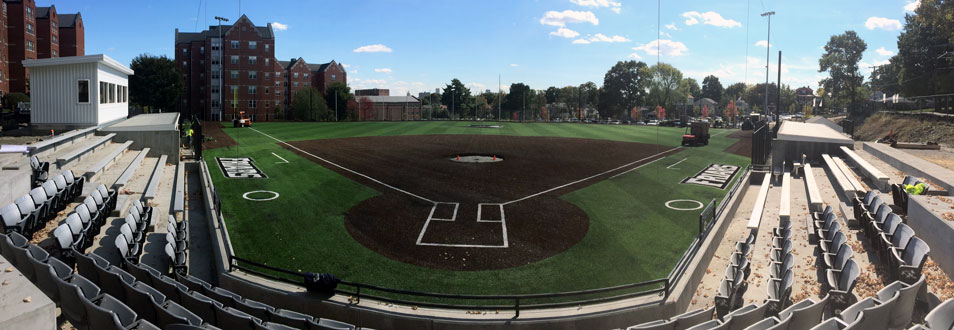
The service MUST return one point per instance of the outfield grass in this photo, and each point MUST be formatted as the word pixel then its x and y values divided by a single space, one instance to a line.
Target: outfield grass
pixel 632 237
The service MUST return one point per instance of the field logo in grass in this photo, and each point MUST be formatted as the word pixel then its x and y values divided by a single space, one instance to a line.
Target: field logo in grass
pixel 714 175
pixel 239 168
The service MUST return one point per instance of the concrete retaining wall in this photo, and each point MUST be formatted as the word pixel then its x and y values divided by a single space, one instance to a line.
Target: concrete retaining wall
pixel 924 216
pixel 159 142
pixel 912 165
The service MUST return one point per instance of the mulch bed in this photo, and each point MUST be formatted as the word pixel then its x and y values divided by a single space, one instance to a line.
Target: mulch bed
pixel 537 228
pixel 214 130
pixel 744 146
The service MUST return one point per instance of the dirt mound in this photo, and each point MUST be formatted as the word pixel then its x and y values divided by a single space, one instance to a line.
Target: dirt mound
pixel 906 129
pixel 213 130
pixel 744 146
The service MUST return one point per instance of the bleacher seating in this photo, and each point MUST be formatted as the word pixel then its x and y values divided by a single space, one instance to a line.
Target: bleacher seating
pixel 41 171
pixel 900 195
pixel 873 173
pixel 778 286
pixel 941 317
pixel 79 153
pixel 733 284
pixel 814 196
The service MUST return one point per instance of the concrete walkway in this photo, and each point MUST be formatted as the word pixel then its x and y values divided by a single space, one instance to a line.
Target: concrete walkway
pixel 201 254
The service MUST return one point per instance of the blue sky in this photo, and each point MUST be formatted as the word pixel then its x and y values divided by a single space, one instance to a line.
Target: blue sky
pixel 417 45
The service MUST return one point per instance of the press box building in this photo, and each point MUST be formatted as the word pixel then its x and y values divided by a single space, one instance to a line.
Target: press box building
pixel 77 91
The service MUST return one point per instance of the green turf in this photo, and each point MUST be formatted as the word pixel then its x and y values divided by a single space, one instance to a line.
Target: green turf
pixel 632 236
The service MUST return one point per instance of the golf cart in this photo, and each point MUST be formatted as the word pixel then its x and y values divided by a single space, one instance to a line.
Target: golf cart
pixel 696 134
pixel 242 120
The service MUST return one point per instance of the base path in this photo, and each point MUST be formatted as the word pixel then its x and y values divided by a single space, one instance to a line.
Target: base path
pixel 427 214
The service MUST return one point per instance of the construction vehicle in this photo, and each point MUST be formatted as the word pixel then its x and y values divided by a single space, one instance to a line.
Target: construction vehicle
pixel 697 134
pixel 242 121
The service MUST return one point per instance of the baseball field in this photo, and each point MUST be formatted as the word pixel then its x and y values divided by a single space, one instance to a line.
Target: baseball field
pixel 448 207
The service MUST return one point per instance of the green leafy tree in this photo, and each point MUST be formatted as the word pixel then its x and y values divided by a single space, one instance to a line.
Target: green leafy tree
pixel 624 86
pixel 157 83
pixel 735 91
pixel 457 99
pixel 712 88
pixel 666 87
pixel 840 61
pixel 11 100
pixel 553 94
pixel 340 93
pixel 887 77
pixel 925 50
pixel 309 105
pixel 692 87
pixel 517 99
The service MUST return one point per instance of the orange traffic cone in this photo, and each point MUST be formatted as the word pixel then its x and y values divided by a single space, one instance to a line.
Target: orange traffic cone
pixel 495 157
pixel 458 157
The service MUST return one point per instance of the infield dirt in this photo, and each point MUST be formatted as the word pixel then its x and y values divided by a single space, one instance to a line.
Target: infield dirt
pixel 536 228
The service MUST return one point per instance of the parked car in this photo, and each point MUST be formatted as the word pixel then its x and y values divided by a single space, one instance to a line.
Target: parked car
pixel 653 122
pixel 614 122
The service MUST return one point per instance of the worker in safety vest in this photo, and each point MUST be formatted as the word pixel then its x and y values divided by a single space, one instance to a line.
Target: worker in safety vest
pixel 189 136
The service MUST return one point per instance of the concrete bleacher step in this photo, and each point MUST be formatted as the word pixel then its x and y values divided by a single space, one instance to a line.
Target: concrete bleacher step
pixel 178 200
pixel 128 172
pixel 785 203
pixel 756 217
pixel 843 185
pixel 849 174
pixel 873 173
pixel 107 160
pixel 815 201
pixel 153 187
pixel 84 150
pixel 49 146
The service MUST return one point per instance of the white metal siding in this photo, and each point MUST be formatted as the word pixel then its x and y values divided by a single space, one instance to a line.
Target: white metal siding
pixel 53 97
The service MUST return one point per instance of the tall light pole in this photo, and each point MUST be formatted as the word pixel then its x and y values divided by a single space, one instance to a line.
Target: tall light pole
pixel 221 66
pixel 768 46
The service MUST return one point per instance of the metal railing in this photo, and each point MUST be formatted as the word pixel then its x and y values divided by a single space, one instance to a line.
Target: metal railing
pixel 661 287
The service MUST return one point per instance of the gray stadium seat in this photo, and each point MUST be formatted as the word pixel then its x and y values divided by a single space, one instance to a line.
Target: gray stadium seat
pixel 859 204
pixel 778 268
pixel 711 325
pixel 899 240
pixel 826 234
pixel 172 313
pixel 63 187
pixel 178 246
pixel 109 313
pixel 832 324
pixel 26 258
pixel 819 216
pixel 824 223
pixel 63 238
pixel 194 283
pixel 88 265
pixel 141 223
pixel 272 326
pixel 144 211
pixel 57 199
pixel 778 292
pixel 777 254
pixel 109 196
pixel 142 272
pixel 725 299
pixel 691 318
pixel 94 212
pixel 180 227
pixel 764 324
pixel 740 263
pixel 10 242
pixel 44 277
pixel 74 181
pixel 942 316
pixel 903 309
pixel 260 310
pixel 223 296
pixel 651 325
pixel 168 287
pixel 885 231
pixel 289 318
pixel 834 244
pixel 873 314
pixel 837 261
pixel 29 214
pixel 843 283
pixel 746 316
pixel 200 305
pixel 13 220
pixel 230 318
pixel 176 259
pixel 876 220
pixel 137 234
pixel 41 170
pixel 72 294
pixel 145 300
pixel 330 324
pixel 111 281
pixel 42 203
pixel 807 316
pixel 80 239
pixel 83 212
pixel 910 263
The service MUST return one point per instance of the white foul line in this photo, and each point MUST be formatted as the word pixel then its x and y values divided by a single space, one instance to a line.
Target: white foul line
pixel 280 157
pixel 635 168
pixel 344 168
pixel 677 163
pixel 589 177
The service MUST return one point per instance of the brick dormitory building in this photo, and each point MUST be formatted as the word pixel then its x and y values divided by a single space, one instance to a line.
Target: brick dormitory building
pixel 241 57
pixel 31 32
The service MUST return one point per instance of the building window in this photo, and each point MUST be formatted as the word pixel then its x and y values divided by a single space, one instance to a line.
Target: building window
pixel 266 89
pixel 278 92
pixel 215 60
pixel 54 39
pixel 102 92
pixel 278 74
pixel 215 89
pixel 266 47
pixel 278 83
pixel 235 44
pixel 185 50
pixel 296 75
pixel 29 12
pixel 112 92
pixel 185 63
pixel 252 45
pixel 251 104
pixel 253 75
pixel 30 45
pixel 54 53
pixel 215 74
pixel 268 75
pixel 234 74
pixel 306 76
pixel 215 45
pixel 252 59
pixel 202 50
pixel 125 94
pixel 296 84
pixel 234 59
pixel 53 24
pixel 252 89
pixel 82 91
pixel 266 61
pixel 266 103
pixel 29 28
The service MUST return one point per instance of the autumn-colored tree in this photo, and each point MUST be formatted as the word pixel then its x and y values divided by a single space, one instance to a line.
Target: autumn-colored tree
pixel 705 111
pixel 660 112
pixel 731 111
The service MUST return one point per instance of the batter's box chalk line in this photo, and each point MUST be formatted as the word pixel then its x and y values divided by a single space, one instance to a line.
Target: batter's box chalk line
pixel 480 207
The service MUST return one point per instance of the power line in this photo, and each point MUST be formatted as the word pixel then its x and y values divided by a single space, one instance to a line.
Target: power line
pixel 197 12
pixel 747 21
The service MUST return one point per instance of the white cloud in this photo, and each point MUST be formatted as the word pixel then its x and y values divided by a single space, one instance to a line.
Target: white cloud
pixel 664 46
pixel 564 33
pixel 882 23
pixel 513 65
pixel 672 26
pixel 635 56
pixel 353 72
pixel 377 48
pixel 913 5
pixel 383 70
pixel 613 5
pixel 557 18
pixel 762 43
pixel 665 34
pixel 710 18
pixel 599 37
pixel 346 66
pixel 581 42
pixel 884 52
pixel 279 26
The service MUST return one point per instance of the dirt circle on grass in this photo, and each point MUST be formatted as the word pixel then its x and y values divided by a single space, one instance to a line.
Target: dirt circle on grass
pixel 462 216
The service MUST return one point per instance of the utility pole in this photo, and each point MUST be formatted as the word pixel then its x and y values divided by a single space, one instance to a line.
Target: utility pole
pixel 778 101
pixel 498 98
pixel 336 105
pixel 221 67
pixel 768 45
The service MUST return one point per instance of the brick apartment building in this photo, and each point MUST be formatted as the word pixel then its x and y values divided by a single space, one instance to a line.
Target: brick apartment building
pixel 372 92
pixel 388 108
pixel 252 80
pixel 32 32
